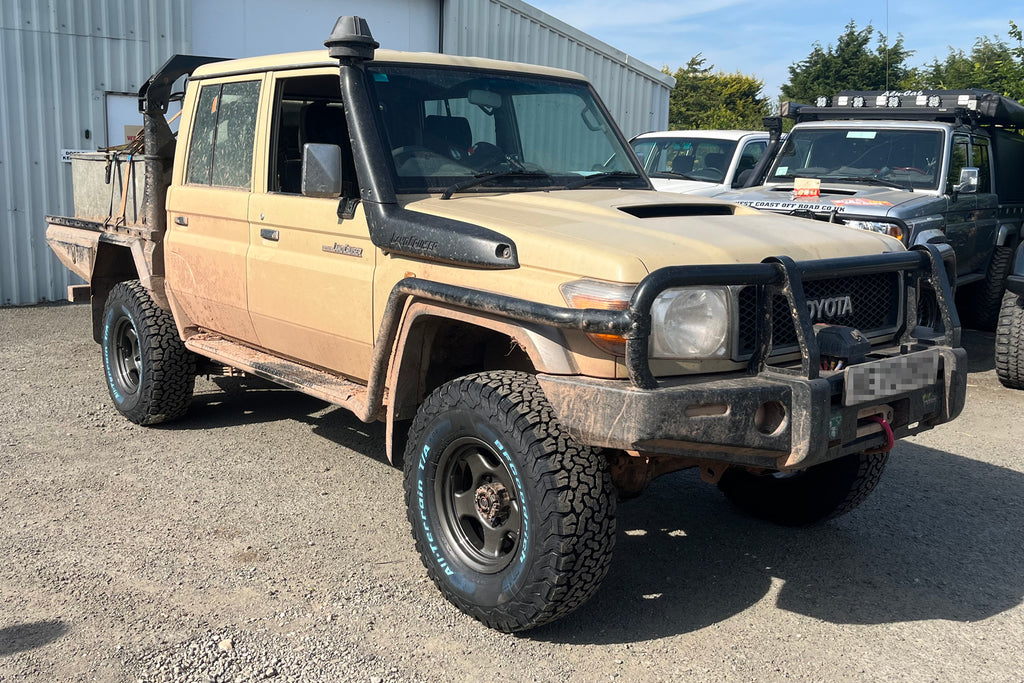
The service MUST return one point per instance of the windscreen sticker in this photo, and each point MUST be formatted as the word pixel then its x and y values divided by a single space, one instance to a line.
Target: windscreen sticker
pixel 380 78
pixel 782 170
pixel 862 134
pixel 860 201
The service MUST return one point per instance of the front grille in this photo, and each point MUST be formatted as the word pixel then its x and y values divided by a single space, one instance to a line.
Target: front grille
pixel 874 309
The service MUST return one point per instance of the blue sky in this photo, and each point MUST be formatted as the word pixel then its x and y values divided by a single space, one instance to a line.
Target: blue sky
pixel 762 38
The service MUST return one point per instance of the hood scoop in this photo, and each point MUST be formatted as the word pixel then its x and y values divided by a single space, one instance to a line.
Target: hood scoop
pixel 678 210
pixel 824 190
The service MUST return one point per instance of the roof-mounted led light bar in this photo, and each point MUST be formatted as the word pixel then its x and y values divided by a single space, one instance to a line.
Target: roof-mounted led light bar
pixel 961 106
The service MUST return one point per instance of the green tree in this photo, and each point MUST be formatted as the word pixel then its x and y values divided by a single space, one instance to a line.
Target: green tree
pixel 704 98
pixel 850 65
pixel 992 64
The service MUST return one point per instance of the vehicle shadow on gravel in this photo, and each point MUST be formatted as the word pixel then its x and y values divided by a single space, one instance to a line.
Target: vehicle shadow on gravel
pixel 23 637
pixel 238 401
pixel 939 539
pixel 981 349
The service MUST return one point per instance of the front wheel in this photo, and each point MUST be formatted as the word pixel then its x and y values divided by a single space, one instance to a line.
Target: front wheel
pixel 1010 342
pixel 802 498
pixel 150 374
pixel 513 520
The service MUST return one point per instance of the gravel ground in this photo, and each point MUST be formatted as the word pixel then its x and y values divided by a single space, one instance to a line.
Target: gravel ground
pixel 263 537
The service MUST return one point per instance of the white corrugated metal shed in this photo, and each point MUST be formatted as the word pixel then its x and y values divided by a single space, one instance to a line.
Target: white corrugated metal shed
pixel 635 93
pixel 60 60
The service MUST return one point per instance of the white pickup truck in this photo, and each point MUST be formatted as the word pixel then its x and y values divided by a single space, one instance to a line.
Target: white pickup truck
pixel 702 162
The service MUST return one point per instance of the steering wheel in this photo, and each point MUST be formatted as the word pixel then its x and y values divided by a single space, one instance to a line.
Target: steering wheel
pixel 485 155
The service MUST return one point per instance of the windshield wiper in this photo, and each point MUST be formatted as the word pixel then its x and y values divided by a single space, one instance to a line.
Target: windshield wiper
pixel 670 174
pixel 481 178
pixel 586 180
pixel 874 180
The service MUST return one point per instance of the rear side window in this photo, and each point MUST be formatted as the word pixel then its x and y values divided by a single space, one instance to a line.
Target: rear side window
pixel 223 135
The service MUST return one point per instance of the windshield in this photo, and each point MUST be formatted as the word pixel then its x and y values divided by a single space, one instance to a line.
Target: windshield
pixel 446 126
pixel 704 159
pixel 909 158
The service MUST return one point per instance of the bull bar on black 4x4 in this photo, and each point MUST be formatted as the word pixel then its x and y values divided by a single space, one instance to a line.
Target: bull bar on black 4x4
pixel 771 416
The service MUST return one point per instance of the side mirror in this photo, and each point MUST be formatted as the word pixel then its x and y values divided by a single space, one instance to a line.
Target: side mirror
pixel 321 170
pixel 968 181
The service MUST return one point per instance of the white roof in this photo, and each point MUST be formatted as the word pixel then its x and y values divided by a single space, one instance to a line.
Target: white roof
pixel 716 134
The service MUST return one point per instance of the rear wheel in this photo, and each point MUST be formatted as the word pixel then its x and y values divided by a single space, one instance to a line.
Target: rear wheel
pixel 1010 342
pixel 813 495
pixel 150 374
pixel 513 520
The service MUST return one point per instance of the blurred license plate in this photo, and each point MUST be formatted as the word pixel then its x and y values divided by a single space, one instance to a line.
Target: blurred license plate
pixel 890 376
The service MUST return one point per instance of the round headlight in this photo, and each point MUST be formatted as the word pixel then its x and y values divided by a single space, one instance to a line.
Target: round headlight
pixel 690 323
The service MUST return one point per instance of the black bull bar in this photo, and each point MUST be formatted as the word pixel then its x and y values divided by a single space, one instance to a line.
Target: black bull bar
pixel 777 274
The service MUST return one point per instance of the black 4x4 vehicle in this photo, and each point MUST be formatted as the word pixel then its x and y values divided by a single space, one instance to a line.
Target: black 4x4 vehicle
pixel 923 166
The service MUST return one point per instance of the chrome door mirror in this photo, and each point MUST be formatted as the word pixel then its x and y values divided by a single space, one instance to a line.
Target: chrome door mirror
pixel 968 181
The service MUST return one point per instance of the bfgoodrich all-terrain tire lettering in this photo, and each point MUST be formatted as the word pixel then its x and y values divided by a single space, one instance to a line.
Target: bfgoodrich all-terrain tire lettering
pixel 1010 342
pixel 813 495
pixel 513 520
pixel 150 374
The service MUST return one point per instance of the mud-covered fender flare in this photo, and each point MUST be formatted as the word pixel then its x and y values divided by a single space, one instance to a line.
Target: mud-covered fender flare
pixel 545 346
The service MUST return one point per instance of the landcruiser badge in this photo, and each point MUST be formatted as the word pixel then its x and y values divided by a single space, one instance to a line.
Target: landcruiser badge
pixel 344 250
pixel 830 308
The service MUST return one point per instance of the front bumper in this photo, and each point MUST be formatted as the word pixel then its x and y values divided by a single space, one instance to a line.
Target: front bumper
pixel 737 419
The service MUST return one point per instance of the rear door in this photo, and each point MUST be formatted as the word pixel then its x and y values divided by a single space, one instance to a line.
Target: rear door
pixel 208 208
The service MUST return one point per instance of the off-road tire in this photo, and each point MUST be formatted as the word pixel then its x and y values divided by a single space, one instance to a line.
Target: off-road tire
pixel 1010 342
pixel 979 303
pixel 560 490
pixel 803 498
pixel 150 374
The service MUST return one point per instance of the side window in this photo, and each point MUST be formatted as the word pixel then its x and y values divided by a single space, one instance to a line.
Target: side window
pixel 223 134
pixel 643 149
pixel 957 160
pixel 200 153
pixel 308 110
pixel 980 158
pixel 752 153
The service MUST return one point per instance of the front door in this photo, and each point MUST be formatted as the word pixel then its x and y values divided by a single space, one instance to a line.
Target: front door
pixel 310 273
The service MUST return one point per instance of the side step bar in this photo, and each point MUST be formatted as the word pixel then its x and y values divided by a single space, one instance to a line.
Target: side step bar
pixel 316 383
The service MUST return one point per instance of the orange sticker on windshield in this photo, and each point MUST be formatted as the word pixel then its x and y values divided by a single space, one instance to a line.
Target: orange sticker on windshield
pixel 213 106
pixel 807 188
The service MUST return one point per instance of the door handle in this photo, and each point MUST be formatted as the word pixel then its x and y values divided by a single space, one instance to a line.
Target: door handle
pixel 268 234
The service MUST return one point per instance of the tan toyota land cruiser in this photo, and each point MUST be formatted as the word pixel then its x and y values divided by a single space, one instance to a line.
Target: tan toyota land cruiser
pixel 469 251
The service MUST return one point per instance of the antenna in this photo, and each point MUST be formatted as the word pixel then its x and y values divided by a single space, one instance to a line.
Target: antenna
pixel 886 44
